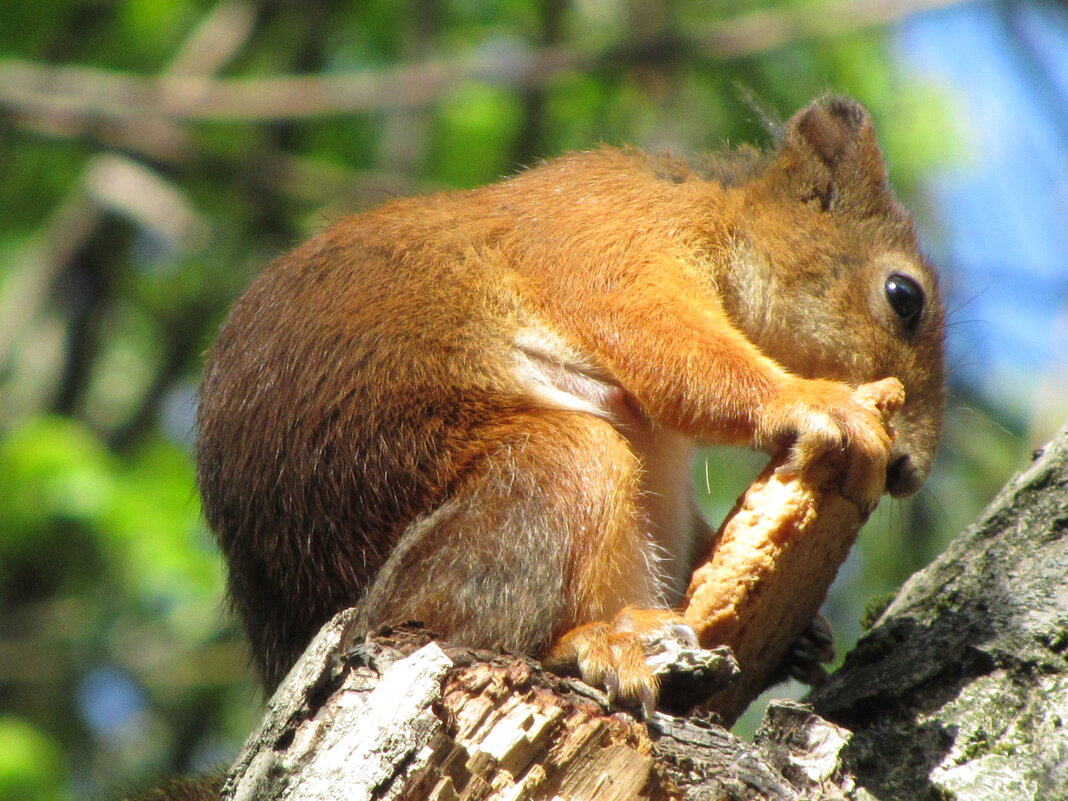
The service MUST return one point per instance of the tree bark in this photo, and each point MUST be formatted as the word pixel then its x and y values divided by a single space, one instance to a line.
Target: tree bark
pixel 960 691
pixel 402 717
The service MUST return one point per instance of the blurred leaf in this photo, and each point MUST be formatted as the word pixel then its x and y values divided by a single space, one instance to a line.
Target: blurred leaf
pixel 52 468
pixel 169 560
pixel 30 24
pixel 154 28
pixel 476 129
pixel 31 768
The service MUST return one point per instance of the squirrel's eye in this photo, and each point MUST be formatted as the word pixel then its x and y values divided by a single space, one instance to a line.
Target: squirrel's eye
pixel 906 299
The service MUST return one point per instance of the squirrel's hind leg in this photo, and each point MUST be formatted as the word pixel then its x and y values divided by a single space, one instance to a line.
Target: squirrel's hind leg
pixel 541 547
pixel 541 531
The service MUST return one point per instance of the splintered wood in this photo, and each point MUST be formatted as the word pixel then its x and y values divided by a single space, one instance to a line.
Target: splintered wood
pixel 437 724
pixel 506 738
pixel 773 561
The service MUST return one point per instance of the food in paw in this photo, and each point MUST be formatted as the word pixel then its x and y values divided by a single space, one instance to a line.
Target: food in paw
pixel 774 559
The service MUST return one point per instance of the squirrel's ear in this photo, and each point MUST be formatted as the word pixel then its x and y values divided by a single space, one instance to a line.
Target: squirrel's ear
pixel 830 155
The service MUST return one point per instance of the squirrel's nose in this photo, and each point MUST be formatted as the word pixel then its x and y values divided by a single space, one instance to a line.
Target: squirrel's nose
pixel 903 477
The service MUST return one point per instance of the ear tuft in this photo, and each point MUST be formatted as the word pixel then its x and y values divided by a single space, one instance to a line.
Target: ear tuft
pixel 832 127
pixel 830 154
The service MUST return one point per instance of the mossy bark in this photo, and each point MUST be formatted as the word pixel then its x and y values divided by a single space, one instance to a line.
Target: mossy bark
pixel 960 690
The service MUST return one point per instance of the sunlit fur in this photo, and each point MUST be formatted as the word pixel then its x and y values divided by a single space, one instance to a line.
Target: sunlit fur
pixel 477 409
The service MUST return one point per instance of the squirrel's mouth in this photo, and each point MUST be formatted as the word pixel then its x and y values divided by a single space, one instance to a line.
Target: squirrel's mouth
pixel 903 476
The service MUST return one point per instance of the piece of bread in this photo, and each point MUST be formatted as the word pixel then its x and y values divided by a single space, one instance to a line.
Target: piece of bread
pixel 773 561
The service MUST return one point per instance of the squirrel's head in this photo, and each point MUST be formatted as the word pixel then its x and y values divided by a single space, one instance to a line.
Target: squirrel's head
pixel 836 284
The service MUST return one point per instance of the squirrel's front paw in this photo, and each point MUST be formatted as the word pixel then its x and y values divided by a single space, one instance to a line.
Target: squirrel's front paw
pixel 612 653
pixel 814 417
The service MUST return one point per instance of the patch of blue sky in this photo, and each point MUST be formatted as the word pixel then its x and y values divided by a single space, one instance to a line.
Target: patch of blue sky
pixel 1003 206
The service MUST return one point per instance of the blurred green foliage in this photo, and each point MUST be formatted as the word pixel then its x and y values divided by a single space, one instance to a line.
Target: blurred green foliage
pixel 31 765
pixel 118 662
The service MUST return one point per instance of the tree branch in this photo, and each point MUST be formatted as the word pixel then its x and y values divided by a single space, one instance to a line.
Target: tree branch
pixel 398 716
pixel 117 184
pixel 68 93
pixel 958 693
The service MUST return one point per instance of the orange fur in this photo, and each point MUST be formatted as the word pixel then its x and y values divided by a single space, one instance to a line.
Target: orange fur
pixel 477 408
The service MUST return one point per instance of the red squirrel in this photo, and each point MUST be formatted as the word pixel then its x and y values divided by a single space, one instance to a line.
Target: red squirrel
pixel 479 409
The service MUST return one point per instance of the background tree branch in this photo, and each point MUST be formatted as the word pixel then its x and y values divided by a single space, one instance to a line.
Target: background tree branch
pixel 65 95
